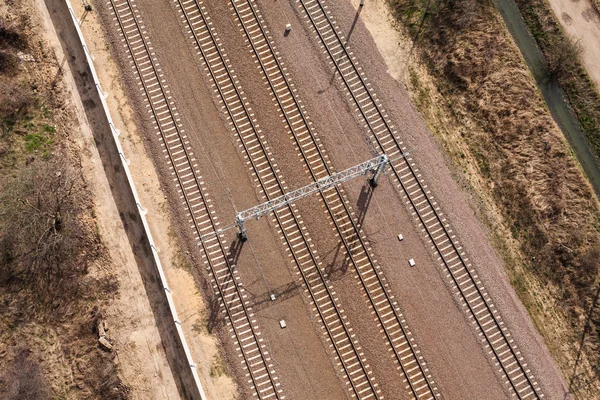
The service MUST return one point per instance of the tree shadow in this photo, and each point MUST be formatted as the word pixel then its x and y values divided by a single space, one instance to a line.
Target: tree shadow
pixel 575 383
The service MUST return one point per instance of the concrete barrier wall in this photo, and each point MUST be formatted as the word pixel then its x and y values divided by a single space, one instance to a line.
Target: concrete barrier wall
pixel 142 212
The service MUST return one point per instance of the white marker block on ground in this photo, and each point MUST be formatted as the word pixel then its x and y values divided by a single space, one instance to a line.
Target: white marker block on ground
pixel 411 262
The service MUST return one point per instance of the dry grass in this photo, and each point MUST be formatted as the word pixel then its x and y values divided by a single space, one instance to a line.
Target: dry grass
pixel 549 219
pixel 48 236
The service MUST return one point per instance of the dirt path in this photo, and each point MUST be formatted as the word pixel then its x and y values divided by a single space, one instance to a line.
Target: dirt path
pixel 581 21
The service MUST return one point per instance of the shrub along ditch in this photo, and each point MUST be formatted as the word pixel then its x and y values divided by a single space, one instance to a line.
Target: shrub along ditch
pixel 564 66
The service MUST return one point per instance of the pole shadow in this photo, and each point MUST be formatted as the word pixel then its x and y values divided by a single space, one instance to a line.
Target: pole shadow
pixel 356 16
pixel 216 318
pixel 352 27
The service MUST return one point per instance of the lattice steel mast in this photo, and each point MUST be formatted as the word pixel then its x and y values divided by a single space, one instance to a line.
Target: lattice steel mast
pixel 375 165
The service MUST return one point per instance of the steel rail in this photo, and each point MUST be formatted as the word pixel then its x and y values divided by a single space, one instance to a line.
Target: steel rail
pixel 238 101
pixel 430 204
pixel 219 285
pixel 264 57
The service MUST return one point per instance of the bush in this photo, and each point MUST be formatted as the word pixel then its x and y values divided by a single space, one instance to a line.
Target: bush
pixel 15 101
pixel 45 243
pixel 11 35
pixel 12 40
pixel 8 62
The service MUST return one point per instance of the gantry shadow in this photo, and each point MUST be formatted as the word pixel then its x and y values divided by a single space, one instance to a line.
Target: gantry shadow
pixel 281 293
pixel 341 259
pixel 334 270
pixel 216 316
pixel 363 203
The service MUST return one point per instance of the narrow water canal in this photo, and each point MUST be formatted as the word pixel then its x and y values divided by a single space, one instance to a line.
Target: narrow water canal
pixel 552 93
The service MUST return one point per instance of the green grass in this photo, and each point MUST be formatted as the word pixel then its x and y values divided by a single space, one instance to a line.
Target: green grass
pixel 49 128
pixel 36 142
pixel 217 369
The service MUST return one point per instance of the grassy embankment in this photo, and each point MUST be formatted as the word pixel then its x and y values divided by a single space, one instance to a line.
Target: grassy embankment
pixel 51 293
pixel 476 94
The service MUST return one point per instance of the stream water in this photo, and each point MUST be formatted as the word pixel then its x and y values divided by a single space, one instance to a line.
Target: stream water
pixel 551 92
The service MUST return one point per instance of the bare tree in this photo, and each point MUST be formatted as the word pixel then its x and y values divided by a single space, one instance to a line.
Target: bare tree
pixel 45 243
pixel 563 56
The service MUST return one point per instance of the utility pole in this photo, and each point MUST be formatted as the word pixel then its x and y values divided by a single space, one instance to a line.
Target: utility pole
pixel 376 166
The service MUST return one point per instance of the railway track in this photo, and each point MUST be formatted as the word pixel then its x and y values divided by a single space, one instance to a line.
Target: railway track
pixel 469 290
pixel 347 352
pixel 225 280
pixel 416 375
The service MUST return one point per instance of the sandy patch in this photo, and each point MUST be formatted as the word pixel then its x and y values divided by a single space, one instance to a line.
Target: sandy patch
pixel 582 23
